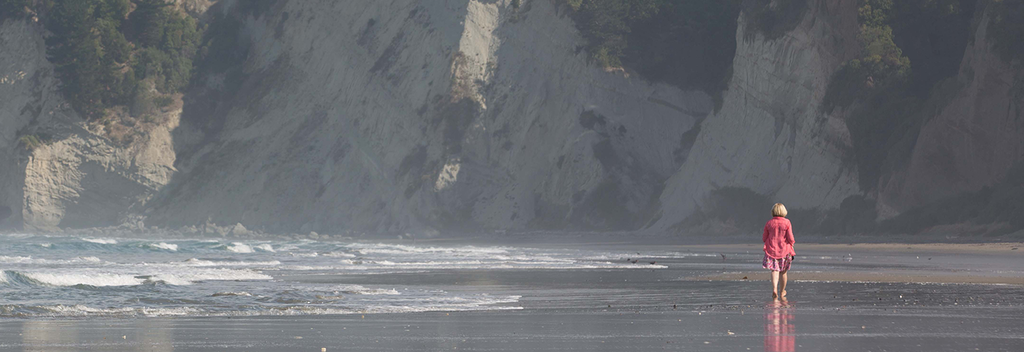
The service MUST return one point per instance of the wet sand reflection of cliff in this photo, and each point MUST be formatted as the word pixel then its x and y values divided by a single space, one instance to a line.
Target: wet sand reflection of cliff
pixel 779 330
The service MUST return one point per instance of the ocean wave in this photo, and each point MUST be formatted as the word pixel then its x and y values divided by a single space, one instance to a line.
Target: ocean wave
pixel 79 310
pixel 380 248
pixel 99 240
pixel 185 278
pixel 239 247
pixel 75 279
pixel 29 260
pixel 162 246
pixel 202 262
pixel 239 294
pixel 264 247
pixel 338 255
pixel 360 290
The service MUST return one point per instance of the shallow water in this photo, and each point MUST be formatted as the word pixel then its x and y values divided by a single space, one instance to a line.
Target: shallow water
pixel 65 293
pixel 46 276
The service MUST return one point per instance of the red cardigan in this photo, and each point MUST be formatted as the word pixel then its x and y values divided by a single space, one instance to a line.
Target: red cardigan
pixel 778 238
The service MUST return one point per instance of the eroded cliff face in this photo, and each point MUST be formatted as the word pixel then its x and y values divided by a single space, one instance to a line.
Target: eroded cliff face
pixel 972 143
pixel 68 176
pixel 396 116
pixel 423 117
pixel 771 138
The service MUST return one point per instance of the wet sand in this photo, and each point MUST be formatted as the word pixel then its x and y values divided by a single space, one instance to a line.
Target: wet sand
pixel 677 308
pixel 941 263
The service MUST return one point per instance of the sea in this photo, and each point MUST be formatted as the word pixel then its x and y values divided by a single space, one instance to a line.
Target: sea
pixel 95 293
pixel 55 276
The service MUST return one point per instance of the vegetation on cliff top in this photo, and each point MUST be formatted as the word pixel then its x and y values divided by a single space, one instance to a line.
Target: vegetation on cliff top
pixel 689 44
pixel 1007 28
pixel 111 53
pixel 12 8
pixel 911 52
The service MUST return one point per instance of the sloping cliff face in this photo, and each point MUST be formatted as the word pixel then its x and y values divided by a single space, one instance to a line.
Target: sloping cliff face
pixel 67 176
pixel 416 117
pixel 395 116
pixel 771 139
pixel 974 142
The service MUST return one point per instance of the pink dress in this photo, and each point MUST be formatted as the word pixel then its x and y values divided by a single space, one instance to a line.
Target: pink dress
pixel 778 244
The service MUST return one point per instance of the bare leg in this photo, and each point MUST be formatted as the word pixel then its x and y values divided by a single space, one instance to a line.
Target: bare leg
pixel 775 284
pixel 785 279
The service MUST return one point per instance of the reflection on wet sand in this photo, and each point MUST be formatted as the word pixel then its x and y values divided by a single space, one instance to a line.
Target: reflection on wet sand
pixel 779 330
pixel 46 335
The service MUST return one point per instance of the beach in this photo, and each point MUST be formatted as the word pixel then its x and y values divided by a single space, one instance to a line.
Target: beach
pixel 677 297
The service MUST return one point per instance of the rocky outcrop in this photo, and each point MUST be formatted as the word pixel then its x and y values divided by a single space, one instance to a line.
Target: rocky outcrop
pixel 64 175
pixel 974 140
pixel 771 138
pixel 396 116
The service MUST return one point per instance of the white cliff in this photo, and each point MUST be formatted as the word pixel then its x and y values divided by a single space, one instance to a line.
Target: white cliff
pixel 74 177
pixel 771 136
pixel 403 115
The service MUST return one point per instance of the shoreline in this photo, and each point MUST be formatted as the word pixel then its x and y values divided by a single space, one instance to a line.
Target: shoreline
pixel 989 247
pixel 870 277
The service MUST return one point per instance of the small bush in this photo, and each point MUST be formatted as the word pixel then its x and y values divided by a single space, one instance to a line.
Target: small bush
pixel 30 142
pixel 163 101
pixel 773 19
pixel 689 44
pixel 1006 28
pixel 142 103
pixel 12 8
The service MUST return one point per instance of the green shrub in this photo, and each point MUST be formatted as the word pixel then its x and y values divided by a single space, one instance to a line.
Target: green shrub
pixel 12 8
pixel 689 44
pixel 1007 28
pixel 890 101
pixel 142 103
pixel 101 53
pixel 30 142
pixel 163 101
pixel 773 18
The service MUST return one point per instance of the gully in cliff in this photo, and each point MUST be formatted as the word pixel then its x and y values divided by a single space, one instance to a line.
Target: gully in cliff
pixel 778 248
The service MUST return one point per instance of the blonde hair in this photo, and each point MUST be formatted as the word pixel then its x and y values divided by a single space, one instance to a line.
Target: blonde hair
pixel 779 210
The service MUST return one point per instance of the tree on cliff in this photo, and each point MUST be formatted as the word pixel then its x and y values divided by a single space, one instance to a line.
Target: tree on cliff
pixel 686 43
pixel 102 51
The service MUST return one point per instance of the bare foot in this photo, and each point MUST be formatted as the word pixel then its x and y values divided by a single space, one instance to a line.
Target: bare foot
pixel 775 295
pixel 783 293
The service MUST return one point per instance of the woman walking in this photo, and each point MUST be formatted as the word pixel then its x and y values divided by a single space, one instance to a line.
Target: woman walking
pixel 778 248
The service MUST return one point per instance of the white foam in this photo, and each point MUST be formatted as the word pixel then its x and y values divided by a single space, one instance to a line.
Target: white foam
pixel 29 260
pixel 360 290
pixel 79 310
pixel 240 294
pixel 264 247
pixel 164 246
pixel 338 255
pixel 100 240
pixel 201 262
pixel 239 247
pixel 91 279
pixel 381 248
pixel 183 278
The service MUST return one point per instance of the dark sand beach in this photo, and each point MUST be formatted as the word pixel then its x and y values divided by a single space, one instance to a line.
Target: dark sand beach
pixel 841 298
